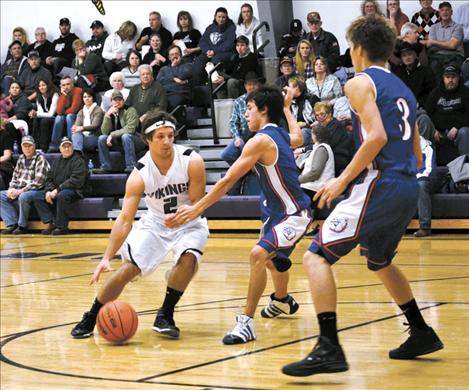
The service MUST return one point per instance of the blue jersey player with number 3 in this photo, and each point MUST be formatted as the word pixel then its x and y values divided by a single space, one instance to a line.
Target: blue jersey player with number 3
pixel 381 198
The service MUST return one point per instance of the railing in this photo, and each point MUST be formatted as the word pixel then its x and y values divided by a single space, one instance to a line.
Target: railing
pixel 181 108
pixel 212 105
pixel 254 37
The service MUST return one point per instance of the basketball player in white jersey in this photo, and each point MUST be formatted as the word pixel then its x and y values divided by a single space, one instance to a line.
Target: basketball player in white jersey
pixel 169 176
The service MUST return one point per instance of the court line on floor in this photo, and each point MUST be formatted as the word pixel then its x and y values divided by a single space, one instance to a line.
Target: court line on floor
pixel 149 379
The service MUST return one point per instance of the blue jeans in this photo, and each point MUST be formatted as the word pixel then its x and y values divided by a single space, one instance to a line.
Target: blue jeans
pixel 306 132
pixel 230 154
pixel 16 211
pixel 425 204
pixel 462 140
pixel 58 130
pixel 130 144
pixel 84 143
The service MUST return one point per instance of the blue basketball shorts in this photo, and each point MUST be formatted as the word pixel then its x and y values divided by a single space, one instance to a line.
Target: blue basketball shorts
pixel 374 216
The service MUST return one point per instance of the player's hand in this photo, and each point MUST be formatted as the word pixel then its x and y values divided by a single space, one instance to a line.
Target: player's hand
pixel 185 214
pixel 287 97
pixel 103 266
pixel 331 190
pixel 170 221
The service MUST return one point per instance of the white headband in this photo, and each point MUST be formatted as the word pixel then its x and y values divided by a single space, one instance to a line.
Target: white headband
pixel 159 125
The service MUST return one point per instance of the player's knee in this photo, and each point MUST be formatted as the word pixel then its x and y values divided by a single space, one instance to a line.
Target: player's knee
pixel 127 272
pixel 258 257
pixel 313 260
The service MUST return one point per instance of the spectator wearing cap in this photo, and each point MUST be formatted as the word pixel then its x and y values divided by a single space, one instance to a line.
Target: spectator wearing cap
pixel 287 70
pixel 117 81
pixel 91 73
pixel 155 28
pixel 240 131
pixel 68 105
pixel 98 36
pixel 324 43
pixel 409 34
pixel 119 132
pixel 13 66
pixel 63 53
pixel 25 188
pixel 246 25
pixel 445 41
pixel 42 45
pixel 420 80
pixel 425 18
pixel 175 79
pixel 65 184
pixel 34 72
pixel 448 107
pixel 290 41
pixel 87 126
pixel 241 63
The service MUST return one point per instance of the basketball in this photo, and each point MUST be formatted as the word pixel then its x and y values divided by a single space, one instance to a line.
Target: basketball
pixel 117 321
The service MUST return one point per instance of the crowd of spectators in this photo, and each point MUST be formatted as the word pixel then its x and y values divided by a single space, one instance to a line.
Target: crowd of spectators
pixel 97 93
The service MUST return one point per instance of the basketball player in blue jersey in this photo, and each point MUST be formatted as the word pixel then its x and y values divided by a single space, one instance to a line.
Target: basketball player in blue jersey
pixel 167 175
pixel 381 199
pixel 285 207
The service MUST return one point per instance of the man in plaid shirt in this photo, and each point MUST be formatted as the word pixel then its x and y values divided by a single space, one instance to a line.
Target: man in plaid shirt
pixel 25 188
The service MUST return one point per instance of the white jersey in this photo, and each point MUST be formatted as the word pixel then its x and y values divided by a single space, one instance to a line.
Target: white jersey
pixel 165 193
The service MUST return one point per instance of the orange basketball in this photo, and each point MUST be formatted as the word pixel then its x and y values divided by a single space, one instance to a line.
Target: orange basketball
pixel 117 321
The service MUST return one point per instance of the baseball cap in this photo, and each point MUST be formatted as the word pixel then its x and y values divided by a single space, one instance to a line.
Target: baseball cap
pixel 406 46
pixel 296 25
pixel 286 59
pixel 64 21
pixel 27 139
pixel 65 140
pixel 33 53
pixel 451 69
pixel 117 95
pixel 445 4
pixel 97 23
pixel 314 17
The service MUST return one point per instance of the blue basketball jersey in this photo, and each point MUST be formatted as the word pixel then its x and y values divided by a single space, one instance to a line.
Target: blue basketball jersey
pixel 281 192
pixel 397 106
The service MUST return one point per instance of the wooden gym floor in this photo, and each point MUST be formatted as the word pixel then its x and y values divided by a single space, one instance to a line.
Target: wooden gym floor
pixel 45 289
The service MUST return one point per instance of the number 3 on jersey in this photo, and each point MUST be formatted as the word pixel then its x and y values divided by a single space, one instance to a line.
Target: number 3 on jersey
pixel 170 205
pixel 405 126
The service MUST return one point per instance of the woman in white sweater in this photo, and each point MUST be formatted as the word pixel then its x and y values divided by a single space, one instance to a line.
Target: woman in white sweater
pixel 247 23
pixel 44 116
pixel 117 45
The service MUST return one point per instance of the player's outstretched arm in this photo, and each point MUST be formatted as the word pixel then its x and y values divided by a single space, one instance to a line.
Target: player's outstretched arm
pixel 296 137
pixel 133 193
pixel 251 153
pixel 361 95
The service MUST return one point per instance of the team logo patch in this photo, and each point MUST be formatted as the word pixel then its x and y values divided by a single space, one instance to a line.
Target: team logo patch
pixel 289 233
pixel 338 224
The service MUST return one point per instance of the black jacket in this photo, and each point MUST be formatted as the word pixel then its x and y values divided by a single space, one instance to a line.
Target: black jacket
pixel 238 67
pixel 70 173
pixel 421 81
pixel 96 45
pixel 62 47
pixel 327 46
pixel 448 109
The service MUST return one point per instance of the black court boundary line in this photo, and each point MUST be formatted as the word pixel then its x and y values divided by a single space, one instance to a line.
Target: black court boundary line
pixel 148 380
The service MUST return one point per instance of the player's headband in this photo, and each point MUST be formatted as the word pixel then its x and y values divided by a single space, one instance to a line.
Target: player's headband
pixel 159 125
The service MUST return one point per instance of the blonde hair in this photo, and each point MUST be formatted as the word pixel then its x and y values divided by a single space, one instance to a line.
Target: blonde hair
pixel 127 31
pixel 78 43
pixel 299 64
pixel 324 104
pixel 24 38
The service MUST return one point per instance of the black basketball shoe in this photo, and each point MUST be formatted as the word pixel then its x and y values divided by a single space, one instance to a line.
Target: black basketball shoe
pixel 276 307
pixel 85 327
pixel 420 342
pixel 325 358
pixel 165 325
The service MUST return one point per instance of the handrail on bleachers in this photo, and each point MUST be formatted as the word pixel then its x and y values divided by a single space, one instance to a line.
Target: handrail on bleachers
pixel 257 50
pixel 212 104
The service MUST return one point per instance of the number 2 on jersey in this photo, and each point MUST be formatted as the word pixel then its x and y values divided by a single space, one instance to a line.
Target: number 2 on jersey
pixel 170 205
pixel 404 109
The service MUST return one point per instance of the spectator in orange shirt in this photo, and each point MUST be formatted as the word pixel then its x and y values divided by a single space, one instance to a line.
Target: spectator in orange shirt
pixel 68 105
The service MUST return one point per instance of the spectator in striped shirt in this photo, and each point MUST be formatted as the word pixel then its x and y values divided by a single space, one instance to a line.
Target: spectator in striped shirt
pixel 26 186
